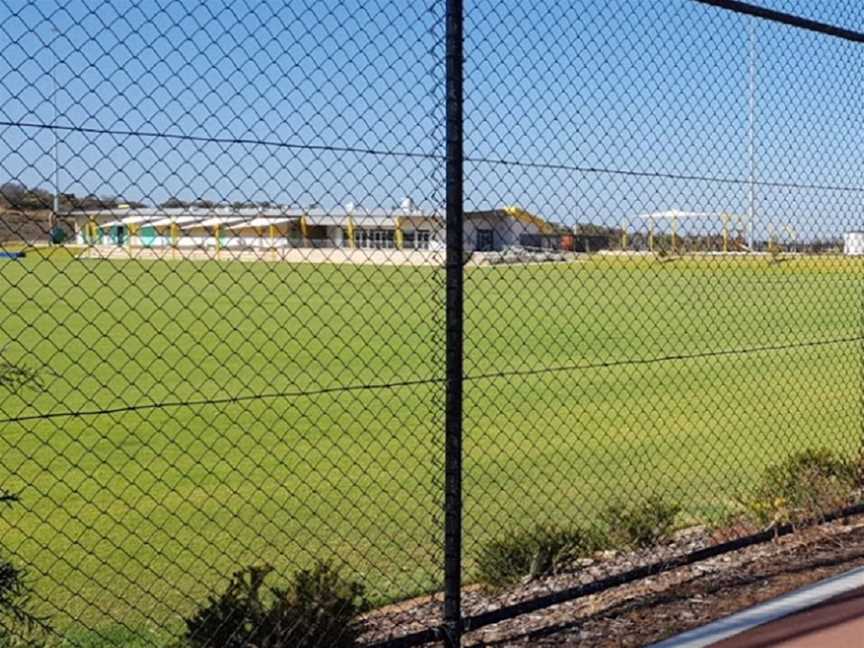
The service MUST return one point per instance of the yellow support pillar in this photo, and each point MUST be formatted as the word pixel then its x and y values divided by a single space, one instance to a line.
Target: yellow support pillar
pixel 172 234
pixel 351 242
pixel 398 238
pixel 218 240
pixel 304 230
pixel 129 231
pixel 272 236
pixel 725 233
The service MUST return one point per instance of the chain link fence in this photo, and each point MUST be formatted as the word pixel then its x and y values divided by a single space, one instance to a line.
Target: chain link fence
pixel 315 313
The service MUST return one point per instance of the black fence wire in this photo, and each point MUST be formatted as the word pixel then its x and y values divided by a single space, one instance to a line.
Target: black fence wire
pixel 317 315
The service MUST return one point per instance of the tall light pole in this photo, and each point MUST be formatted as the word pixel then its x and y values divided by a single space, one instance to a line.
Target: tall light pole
pixel 54 91
pixel 751 48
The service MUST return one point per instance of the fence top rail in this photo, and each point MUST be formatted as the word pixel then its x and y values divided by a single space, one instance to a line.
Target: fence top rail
pixel 784 18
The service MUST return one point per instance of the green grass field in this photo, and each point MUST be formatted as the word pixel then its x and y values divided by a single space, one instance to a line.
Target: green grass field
pixel 586 382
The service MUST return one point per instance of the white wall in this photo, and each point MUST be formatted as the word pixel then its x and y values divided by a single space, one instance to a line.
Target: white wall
pixel 506 230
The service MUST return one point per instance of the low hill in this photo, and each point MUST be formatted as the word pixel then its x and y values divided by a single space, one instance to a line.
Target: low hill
pixel 27 227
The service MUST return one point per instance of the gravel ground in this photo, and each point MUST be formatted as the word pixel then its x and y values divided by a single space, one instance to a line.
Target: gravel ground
pixel 651 609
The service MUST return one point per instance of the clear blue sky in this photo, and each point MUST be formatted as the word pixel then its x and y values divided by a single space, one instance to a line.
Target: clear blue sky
pixel 646 86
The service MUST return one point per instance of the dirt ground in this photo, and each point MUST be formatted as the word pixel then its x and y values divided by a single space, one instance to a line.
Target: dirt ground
pixel 655 608
pixel 662 610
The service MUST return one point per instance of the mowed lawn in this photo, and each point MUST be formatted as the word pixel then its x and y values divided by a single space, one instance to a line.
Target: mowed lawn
pixel 196 417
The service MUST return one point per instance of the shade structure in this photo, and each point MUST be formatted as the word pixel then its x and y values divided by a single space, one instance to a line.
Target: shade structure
pixel 264 221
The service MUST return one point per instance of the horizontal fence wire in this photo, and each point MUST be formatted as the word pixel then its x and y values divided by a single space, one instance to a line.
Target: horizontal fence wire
pixel 408 154
pixel 395 385
pixel 247 369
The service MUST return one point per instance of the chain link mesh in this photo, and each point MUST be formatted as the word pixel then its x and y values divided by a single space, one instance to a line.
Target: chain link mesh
pixel 222 336
pixel 236 332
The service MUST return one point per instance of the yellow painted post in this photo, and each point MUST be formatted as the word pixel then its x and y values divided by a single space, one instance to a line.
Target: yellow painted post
pixel 304 230
pixel 351 242
pixel 272 236
pixel 725 233
pixel 398 238
pixel 218 240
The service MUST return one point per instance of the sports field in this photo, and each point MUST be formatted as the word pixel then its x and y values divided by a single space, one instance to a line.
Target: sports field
pixel 212 427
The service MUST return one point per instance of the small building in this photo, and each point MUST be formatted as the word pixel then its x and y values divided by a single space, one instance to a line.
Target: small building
pixel 264 232
pixel 587 243
pixel 209 233
pixel 404 227
pixel 498 229
pixel 853 244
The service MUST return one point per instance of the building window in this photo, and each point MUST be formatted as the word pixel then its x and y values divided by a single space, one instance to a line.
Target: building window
pixel 485 240
pixel 421 239
pixel 375 238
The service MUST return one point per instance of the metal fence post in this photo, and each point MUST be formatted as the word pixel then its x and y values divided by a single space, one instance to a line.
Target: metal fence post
pixel 454 278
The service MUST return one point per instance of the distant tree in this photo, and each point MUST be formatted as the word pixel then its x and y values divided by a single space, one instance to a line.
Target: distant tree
pixel 173 203
pixel 12 193
pixel 16 195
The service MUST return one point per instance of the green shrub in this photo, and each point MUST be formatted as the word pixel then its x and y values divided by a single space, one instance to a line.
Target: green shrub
pixel 533 552
pixel 804 485
pixel 775 252
pixel 318 608
pixel 641 523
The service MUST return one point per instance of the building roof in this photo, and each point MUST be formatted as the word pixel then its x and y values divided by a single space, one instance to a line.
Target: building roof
pixel 214 221
pixel 175 220
pixel 264 221
pixel 341 220
pixel 678 214
pixel 239 218
pixel 516 213
pixel 131 220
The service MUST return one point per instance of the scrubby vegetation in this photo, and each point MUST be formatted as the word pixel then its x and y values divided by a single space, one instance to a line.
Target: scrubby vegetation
pixel 318 608
pixel 531 553
pixel 534 552
pixel 805 485
pixel 640 523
